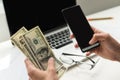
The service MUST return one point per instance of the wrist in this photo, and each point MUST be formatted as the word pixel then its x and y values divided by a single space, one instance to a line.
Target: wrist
pixel 118 53
pixel 117 58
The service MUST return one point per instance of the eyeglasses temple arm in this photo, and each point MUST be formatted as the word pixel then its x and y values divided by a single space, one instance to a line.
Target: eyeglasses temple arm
pixel 78 55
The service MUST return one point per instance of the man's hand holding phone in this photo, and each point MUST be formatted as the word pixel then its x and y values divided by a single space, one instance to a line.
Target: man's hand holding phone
pixel 76 44
pixel 80 27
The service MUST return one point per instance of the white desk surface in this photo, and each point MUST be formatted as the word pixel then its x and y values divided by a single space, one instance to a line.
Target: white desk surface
pixel 12 65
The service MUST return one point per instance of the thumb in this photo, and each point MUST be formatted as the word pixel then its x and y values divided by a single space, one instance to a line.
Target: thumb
pixel 51 65
pixel 97 37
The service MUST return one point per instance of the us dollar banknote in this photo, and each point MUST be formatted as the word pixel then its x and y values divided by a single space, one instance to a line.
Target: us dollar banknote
pixel 18 41
pixel 40 50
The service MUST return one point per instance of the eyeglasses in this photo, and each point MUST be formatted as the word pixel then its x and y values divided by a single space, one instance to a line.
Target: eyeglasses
pixel 68 60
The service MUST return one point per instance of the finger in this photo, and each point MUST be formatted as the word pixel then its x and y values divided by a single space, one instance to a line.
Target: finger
pixel 88 53
pixel 30 78
pixel 76 45
pixel 51 65
pixel 96 30
pixel 33 72
pixel 93 28
pixel 28 64
pixel 71 36
pixel 97 37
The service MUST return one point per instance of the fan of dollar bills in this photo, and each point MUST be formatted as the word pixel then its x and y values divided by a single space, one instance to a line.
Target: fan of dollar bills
pixel 35 47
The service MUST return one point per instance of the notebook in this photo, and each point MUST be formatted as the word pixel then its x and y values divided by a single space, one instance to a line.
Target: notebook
pixel 43 13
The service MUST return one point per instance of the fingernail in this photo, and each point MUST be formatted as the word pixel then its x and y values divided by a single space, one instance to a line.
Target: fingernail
pixel 26 60
pixel 87 53
pixel 76 46
pixel 90 42
pixel 71 36
pixel 52 58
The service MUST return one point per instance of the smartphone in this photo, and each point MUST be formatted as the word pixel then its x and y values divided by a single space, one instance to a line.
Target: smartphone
pixel 80 27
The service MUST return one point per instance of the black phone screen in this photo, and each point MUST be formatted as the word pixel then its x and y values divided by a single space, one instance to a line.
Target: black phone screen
pixel 80 27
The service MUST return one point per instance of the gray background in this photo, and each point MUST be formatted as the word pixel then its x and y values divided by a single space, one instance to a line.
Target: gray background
pixel 92 6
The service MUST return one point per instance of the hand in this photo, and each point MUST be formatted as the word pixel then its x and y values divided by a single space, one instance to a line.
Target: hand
pixel 37 74
pixel 109 48
pixel 71 37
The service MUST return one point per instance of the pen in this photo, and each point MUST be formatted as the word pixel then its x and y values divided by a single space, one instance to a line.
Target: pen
pixel 102 18
pixel 72 54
